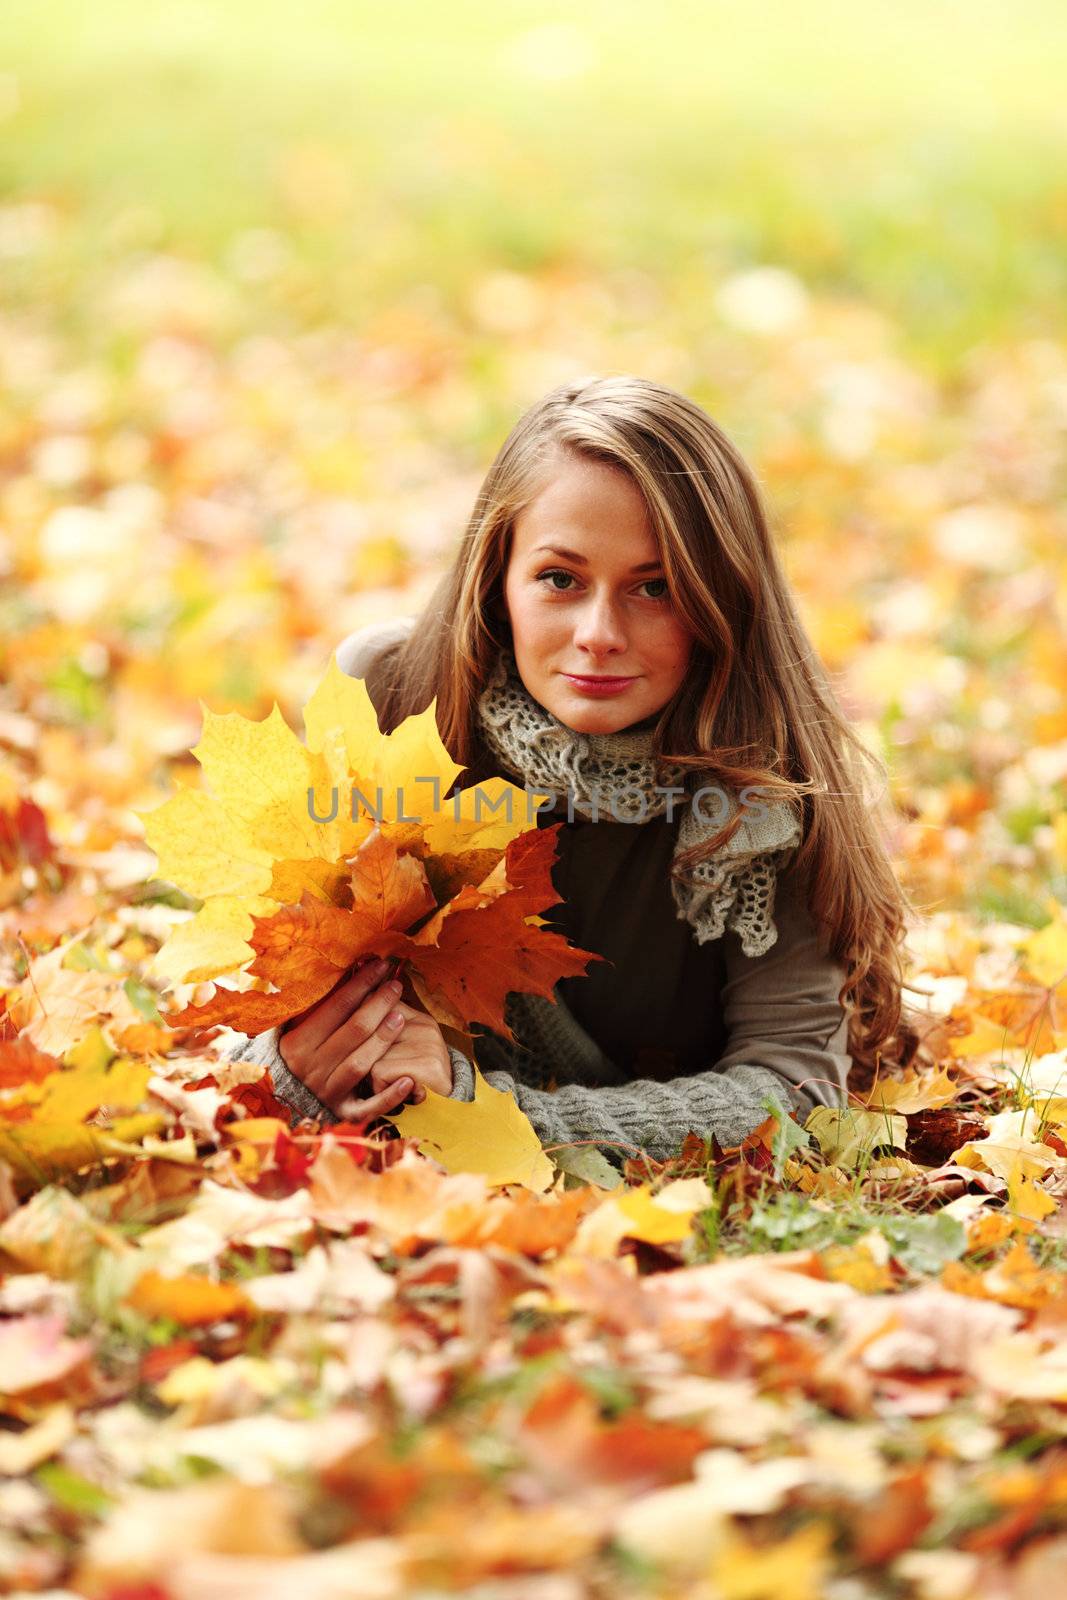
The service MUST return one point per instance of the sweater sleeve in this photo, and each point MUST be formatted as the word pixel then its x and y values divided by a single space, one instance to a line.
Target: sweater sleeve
pixel 781 1009
pixel 646 1114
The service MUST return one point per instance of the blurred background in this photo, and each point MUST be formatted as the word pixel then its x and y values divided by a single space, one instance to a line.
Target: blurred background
pixel 277 280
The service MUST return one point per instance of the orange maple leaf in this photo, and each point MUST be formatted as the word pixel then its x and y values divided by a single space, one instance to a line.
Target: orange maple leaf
pixel 464 959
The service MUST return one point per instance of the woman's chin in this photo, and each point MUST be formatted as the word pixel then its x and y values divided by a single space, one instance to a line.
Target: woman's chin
pixel 594 719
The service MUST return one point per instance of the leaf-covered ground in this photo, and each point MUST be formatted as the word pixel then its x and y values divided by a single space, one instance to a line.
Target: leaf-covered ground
pixel 272 297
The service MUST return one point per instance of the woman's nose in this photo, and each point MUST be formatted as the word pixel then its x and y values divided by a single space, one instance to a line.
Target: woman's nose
pixel 599 627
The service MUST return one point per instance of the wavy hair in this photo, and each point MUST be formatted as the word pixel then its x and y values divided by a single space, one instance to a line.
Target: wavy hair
pixel 757 707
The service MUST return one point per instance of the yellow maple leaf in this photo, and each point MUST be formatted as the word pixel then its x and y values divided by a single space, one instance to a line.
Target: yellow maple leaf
pixel 1045 952
pixel 489 1135
pixel 212 942
pixel 55 1136
pixel 1010 1151
pixel 203 848
pixel 845 1135
pixel 42 1150
pixel 278 818
pixel 261 773
pixel 222 847
pixel 342 726
pixel 56 1005
pixel 858 1265
pixel 1027 1199
pixel 796 1568
pixel 409 771
pixel 914 1092
pixel 663 1218
pixel 985 1038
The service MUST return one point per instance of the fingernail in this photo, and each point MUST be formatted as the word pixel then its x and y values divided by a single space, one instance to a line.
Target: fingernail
pixel 394 1019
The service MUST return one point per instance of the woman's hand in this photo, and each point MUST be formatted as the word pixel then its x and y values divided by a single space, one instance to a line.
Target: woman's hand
pixel 336 1044
pixel 419 1053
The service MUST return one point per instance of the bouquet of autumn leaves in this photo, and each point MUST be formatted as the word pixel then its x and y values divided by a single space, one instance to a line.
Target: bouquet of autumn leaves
pixel 455 893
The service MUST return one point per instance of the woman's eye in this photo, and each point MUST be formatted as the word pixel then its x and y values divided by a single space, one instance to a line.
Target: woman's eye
pixel 541 576
pixel 567 577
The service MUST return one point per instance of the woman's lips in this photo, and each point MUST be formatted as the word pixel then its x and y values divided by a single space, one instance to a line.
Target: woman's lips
pixel 598 686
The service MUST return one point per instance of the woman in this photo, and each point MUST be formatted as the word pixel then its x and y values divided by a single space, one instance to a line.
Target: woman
pixel 616 628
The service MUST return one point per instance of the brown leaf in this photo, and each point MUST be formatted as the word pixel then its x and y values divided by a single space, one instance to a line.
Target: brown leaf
pixel 935 1135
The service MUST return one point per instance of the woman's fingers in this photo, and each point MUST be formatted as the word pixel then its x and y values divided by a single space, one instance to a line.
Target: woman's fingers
pixel 323 1020
pixel 361 1041
pixel 367 1017
pixel 387 1099
pixel 363 1026
pixel 367 976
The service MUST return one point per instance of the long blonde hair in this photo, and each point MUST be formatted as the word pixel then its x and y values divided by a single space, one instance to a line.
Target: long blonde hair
pixel 758 707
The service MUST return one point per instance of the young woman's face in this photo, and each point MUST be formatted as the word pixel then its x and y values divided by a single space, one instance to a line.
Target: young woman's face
pixel 581 608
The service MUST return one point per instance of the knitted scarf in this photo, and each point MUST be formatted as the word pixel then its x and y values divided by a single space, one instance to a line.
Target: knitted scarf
pixel 612 777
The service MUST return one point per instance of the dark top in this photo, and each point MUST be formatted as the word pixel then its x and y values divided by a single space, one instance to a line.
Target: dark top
pixel 652 1005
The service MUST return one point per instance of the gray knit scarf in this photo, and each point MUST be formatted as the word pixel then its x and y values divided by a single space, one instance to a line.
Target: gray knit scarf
pixel 612 777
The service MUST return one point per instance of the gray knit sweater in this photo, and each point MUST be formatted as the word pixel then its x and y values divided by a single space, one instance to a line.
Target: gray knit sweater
pixel 780 1021
pixel 622 1119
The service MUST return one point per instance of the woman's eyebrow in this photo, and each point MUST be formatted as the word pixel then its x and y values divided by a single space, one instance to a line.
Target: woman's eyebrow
pixel 572 555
